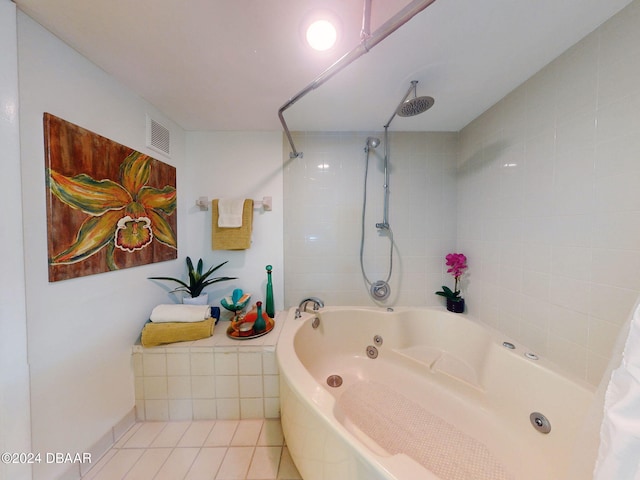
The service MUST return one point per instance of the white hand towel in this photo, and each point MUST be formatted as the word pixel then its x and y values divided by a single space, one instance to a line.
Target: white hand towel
pixel 230 212
pixel 180 313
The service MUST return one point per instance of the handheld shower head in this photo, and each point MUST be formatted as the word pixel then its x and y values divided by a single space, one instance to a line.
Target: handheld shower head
pixel 372 142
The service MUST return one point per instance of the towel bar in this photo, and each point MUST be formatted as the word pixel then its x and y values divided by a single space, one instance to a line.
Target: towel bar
pixel 265 203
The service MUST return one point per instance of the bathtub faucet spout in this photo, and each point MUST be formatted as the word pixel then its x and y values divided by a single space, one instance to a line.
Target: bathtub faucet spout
pixel 315 301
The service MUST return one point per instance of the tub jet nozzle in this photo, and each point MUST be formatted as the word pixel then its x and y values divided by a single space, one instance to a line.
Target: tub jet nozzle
pixel 540 422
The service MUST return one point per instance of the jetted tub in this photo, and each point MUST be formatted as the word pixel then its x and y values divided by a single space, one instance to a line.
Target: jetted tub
pixel 421 393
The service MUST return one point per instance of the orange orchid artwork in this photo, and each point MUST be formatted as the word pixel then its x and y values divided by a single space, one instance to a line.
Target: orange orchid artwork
pixel 108 206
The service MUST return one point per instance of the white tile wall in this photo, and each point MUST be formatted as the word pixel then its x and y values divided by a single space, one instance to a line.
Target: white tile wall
pixel 544 201
pixel 213 378
pixel 549 204
pixel 323 209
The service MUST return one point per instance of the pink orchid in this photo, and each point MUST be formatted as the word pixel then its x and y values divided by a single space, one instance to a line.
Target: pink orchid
pixel 457 263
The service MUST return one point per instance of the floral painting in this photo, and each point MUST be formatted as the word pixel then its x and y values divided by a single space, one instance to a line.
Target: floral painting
pixel 108 206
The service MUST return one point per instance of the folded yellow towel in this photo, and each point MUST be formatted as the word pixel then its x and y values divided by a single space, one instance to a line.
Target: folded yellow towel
pixel 161 333
pixel 232 238
pixel 177 312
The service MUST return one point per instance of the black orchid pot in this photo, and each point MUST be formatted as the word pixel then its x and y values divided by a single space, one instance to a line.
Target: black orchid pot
pixel 455 306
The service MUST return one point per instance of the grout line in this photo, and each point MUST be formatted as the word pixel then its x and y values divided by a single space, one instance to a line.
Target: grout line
pixel 220 464
pixel 253 454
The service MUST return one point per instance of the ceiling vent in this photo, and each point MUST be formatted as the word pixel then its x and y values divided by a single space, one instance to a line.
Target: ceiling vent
pixel 158 137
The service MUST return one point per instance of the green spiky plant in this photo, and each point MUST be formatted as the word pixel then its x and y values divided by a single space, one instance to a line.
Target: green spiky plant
pixel 197 279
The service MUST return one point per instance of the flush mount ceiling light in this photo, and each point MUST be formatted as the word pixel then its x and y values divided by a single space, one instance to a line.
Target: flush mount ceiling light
pixel 321 35
pixel 320 29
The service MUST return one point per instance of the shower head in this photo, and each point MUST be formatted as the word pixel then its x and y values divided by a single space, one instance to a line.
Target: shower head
pixel 415 106
pixel 372 142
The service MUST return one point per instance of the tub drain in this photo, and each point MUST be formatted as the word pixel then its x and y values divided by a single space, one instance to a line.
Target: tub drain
pixel 334 381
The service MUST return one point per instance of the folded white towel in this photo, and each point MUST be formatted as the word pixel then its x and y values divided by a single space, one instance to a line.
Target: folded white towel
pixel 180 313
pixel 230 212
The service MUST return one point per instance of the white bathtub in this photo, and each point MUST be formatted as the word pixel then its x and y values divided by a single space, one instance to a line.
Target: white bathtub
pixel 444 399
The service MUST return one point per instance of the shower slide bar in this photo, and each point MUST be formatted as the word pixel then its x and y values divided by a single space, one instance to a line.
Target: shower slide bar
pixel 367 43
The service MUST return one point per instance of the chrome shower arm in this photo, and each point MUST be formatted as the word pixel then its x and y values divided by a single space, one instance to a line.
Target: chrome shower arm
pixel 366 44
pixel 411 88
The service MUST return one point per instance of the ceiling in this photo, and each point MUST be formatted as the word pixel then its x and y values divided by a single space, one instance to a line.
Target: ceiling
pixel 231 64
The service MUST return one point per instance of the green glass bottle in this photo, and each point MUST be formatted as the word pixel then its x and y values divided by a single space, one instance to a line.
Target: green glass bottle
pixel 259 325
pixel 269 307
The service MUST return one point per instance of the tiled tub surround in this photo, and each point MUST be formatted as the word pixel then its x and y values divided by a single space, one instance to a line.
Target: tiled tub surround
pixel 208 379
pixel 323 196
pixel 548 205
pixel 544 202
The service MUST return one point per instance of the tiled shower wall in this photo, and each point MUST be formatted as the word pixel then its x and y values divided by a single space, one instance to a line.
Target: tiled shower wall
pixel 544 200
pixel 549 201
pixel 323 193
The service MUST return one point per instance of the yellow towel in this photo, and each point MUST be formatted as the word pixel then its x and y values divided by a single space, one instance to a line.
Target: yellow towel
pixel 170 332
pixel 232 238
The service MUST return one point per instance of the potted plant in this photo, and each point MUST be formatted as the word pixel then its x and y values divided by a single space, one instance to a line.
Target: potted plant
pixel 197 281
pixel 457 264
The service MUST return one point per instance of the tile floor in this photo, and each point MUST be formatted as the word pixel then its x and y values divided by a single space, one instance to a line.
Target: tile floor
pixel 198 450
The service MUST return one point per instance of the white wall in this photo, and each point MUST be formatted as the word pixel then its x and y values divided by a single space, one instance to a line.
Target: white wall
pixel 80 331
pixel 549 204
pixel 14 373
pixel 242 165
pixel 323 212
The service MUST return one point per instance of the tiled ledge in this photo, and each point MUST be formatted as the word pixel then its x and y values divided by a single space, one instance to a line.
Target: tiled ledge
pixel 213 378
